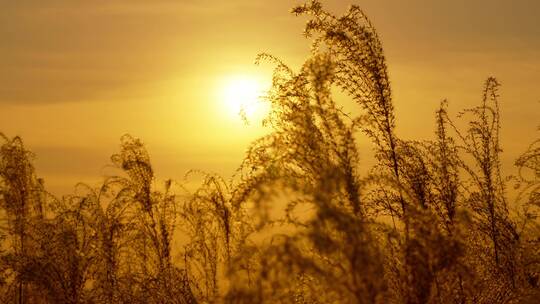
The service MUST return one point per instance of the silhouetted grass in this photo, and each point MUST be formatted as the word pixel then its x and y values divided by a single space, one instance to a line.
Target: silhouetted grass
pixel 429 223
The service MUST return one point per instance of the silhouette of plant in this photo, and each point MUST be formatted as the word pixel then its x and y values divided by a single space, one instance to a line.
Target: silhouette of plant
pixel 300 221
pixel 21 202
pixel 154 216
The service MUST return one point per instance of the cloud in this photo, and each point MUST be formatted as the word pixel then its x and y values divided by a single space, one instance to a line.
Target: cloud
pixel 68 51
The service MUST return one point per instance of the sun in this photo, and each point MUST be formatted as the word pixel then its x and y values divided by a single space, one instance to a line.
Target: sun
pixel 242 97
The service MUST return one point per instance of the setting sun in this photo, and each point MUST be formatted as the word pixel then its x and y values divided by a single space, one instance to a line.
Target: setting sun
pixel 242 97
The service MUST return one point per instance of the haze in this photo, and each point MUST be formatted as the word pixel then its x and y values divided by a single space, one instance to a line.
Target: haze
pixel 76 75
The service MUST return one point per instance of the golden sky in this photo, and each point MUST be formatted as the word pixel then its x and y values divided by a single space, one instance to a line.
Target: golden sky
pixel 76 75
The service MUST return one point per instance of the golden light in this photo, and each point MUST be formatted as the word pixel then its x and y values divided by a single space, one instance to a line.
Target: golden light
pixel 242 97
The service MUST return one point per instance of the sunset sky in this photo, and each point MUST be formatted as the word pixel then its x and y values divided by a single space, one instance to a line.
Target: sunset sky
pixel 76 75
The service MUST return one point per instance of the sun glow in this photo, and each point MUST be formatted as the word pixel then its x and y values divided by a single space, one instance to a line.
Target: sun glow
pixel 242 98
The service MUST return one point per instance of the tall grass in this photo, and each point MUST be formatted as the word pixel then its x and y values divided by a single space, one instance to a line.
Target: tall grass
pixel 430 222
